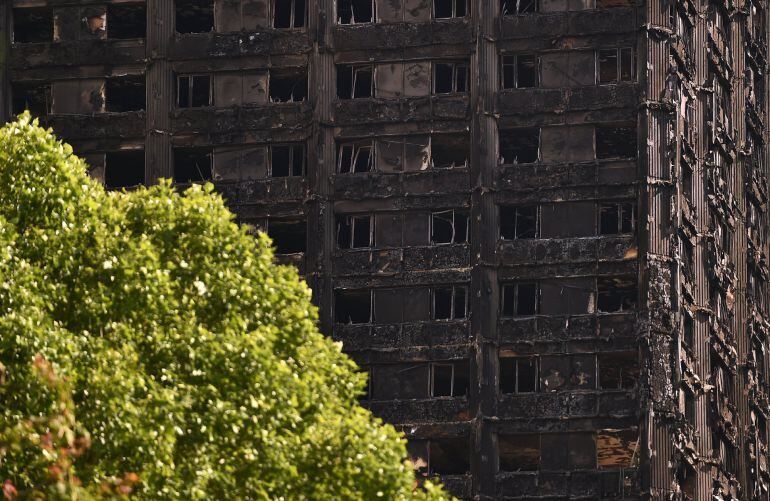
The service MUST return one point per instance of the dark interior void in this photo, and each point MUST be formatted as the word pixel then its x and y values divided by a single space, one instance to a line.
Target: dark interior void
pixel 519 452
pixel 615 141
pixel 289 237
pixel 449 456
pixel 450 150
pixel 518 146
pixel 449 227
pixel 353 307
pixel 192 165
pixel 355 157
pixel 35 97
pixel 511 7
pixel 124 169
pixel 125 93
pixel 618 371
pixel 518 222
pixel 127 20
pixel 449 303
pixel 354 232
pixel 193 91
pixel 615 294
pixel 450 8
pixel 289 13
pixel 355 81
pixel 194 16
pixel 288 86
pixel 518 375
pixel 287 160
pixel 33 24
pixel 450 379
pixel 355 11
pixel 521 299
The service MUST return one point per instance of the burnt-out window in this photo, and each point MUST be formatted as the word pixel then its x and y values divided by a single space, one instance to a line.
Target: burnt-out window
pixel 445 9
pixel 449 456
pixel 123 169
pixel 353 307
pixel 355 231
pixel 687 180
pixel 449 379
pixel 35 97
pixel 520 71
pixel 288 86
pixel 518 222
pixel 616 218
pixel 615 141
pixel 194 16
pixel 688 330
pixel 687 400
pixel 287 160
pixel 192 165
pixel 616 65
pixel 450 77
pixel 355 11
pixel 618 371
pixel 449 227
pixel 33 24
pixel 616 294
pixel 520 299
pixel 126 20
pixel 289 237
pixel 289 13
pixel 449 150
pixel 193 91
pixel 519 452
pixel 449 303
pixel 125 93
pixel 355 81
pixel 520 146
pixel 518 375
pixel 355 156
pixel 513 7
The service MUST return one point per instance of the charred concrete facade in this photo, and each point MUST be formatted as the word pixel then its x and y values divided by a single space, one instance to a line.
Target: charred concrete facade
pixel 540 225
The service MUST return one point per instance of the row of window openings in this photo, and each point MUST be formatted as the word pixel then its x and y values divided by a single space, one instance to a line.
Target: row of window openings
pixel 119 21
pixel 358 307
pixel 611 142
pixel 121 94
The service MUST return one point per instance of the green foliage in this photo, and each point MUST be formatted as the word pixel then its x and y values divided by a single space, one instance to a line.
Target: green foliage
pixel 190 357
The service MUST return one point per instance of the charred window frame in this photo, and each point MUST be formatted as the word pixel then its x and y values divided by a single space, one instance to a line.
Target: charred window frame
pixel 287 160
pixel 681 25
pixel 449 227
pixel 124 169
pixel 449 303
pixel 519 222
pixel 687 405
pixel 617 218
pixel 125 93
pixel 35 97
pixel 355 156
pixel 355 81
pixel 448 456
pixel 127 21
pixel 688 258
pixel 288 14
pixel 688 329
pixel 514 7
pixel 32 25
pixel 520 299
pixel 451 77
pixel 755 289
pixel 520 146
pixel 194 16
pixel 687 182
pixel 354 306
pixel 288 86
pixel 758 353
pixel 616 294
pixel 449 379
pixel 446 9
pixel 355 231
pixel 289 236
pixel 519 452
pixel 755 219
pixel 616 65
pixel 519 375
pixel 356 11
pixel 192 164
pixel 723 237
pixel 616 141
pixel 194 91
pixel 449 151
pixel 520 71
pixel 618 371
pixel 720 104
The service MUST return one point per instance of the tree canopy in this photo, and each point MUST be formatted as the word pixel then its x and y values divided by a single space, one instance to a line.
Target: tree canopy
pixel 190 360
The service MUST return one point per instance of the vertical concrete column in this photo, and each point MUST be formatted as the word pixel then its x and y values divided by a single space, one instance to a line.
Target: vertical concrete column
pixel 160 90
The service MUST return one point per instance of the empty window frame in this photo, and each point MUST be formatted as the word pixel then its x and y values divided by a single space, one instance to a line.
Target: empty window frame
pixel 355 81
pixel 449 456
pixel 518 375
pixel 353 307
pixel 355 156
pixel 33 24
pixel 35 97
pixel 355 231
pixel 449 227
pixel 519 222
pixel 518 452
pixel 520 146
pixel 192 165
pixel 513 7
pixel 520 299
pixel 355 11
pixel 450 303
pixel 287 160
pixel 289 237
pixel 288 86
pixel 449 379
pixel 616 218
pixel 193 91
pixel 126 20
pixel 616 294
pixel 449 150
pixel 616 141
pixel 445 9
pixel 125 93
pixel 520 71
pixel 450 77
pixel 618 371
pixel 616 65
pixel 289 13
pixel 194 16
pixel 124 169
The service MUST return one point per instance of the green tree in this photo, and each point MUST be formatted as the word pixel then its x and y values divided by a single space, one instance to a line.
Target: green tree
pixel 190 358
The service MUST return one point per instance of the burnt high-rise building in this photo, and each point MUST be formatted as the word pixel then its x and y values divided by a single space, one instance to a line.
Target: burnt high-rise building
pixel 540 225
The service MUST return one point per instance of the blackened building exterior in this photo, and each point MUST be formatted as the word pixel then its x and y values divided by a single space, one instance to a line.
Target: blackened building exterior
pixel 540 225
